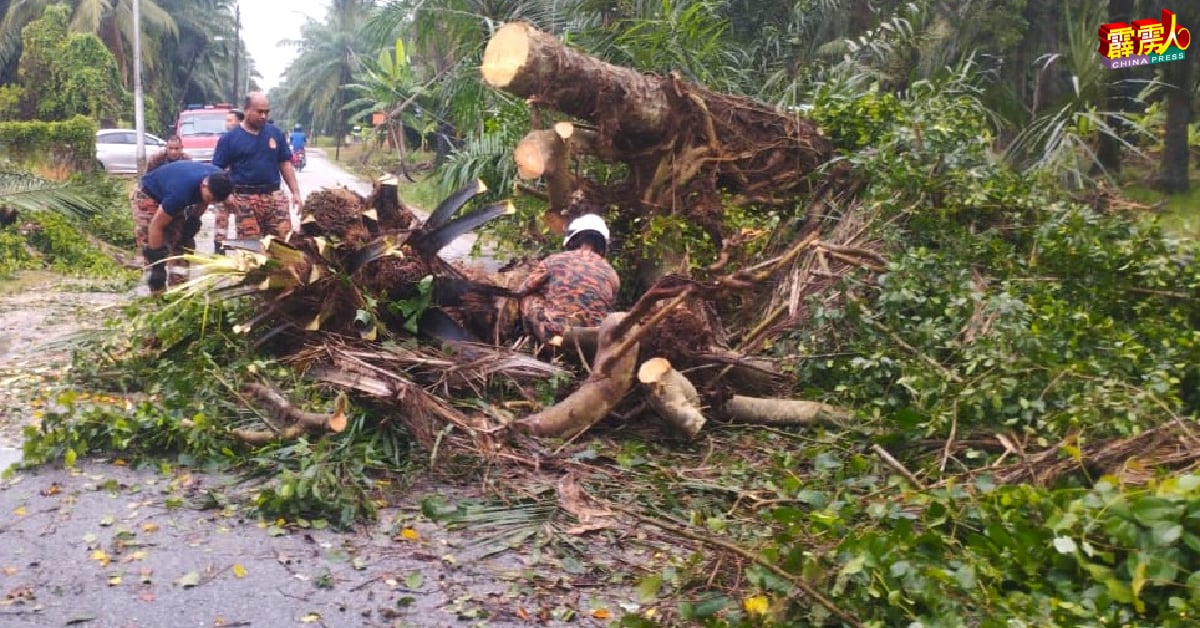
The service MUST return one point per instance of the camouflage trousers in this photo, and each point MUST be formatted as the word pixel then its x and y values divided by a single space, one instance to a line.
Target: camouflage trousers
pixel 179 236
pixel 545 321
pixel 255 216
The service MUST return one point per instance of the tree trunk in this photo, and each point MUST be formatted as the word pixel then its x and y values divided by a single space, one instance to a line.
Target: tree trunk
pixel 1109 151
pixel 684 145
pixel 1179 75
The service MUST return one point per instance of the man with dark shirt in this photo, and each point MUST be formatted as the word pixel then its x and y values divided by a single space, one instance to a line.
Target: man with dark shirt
pixel 576 287
pixel 173 152
pixel 256 155
pixel 164 206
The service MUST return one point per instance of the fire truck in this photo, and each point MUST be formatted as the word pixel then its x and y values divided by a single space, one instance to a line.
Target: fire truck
pixel 200 126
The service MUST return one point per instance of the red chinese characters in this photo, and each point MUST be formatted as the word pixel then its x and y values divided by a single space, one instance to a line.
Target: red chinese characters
pixel 1143 37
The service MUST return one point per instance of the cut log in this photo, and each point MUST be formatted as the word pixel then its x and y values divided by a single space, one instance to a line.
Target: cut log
pixel 766 411
pixel 529 63
pixel 288 422
pixel 672 396
pixel 599 393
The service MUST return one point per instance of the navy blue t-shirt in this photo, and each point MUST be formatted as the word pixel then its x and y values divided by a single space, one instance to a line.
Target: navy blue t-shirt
pixel 177 185
pixel 252 159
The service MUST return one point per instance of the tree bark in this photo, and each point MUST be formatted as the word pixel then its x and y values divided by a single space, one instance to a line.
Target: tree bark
pixel 1173 170
pixel 766 411
pixel 1109 150
pixel 599 393
pixel 287 421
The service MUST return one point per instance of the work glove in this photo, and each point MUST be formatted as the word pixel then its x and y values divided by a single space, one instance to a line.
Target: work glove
pixel 158 270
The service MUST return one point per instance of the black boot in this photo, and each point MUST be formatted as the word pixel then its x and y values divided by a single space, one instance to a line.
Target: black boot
pixel 158 270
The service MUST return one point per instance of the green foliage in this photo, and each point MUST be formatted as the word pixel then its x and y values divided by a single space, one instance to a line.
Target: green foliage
pixel 14 253
pixel 1000 305
pixel 113 220
pixel 66 74
pixel 62 247
pixel 51 145
pixel 11 97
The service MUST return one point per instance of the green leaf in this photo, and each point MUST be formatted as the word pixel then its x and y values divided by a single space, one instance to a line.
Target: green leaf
pixel 1149 510
pixel 188 580
pixel 1164 533
pixel 649 587
pixel 414 580
pixel 711 606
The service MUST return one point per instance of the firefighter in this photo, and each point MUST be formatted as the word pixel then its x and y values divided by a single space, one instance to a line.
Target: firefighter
pixel 576 287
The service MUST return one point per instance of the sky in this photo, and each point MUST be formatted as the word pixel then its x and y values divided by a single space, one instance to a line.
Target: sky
pixel 265 23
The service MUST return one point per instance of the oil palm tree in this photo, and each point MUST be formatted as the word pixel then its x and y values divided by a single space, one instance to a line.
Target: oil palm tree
pixel 329 54
pixel 111 20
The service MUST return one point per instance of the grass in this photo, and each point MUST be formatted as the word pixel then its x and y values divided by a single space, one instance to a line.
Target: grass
pixel 424 194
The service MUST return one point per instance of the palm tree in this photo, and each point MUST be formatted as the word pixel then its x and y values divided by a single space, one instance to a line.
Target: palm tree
pixel 111 20
pixel 386 84
pixel 329 54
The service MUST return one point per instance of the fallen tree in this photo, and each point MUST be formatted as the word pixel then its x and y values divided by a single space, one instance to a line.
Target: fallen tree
pixel 685 146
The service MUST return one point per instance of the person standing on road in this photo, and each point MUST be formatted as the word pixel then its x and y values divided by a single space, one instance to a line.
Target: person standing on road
pixel 256 155
pixel 576 287
pixel 165 209
pixel 233 118
pixel 172 153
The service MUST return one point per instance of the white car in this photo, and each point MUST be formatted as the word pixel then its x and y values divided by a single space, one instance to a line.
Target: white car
pixel 116 149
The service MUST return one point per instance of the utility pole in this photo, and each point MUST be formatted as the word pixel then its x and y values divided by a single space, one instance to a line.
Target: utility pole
pixel 139 102
pixel 237 50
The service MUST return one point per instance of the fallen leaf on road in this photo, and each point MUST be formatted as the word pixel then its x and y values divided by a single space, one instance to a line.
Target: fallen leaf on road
pixel 53 489
pixel 239 571
pixel 190 579
pixel 114 580
pixel 150 527
pixel 311 618
pixel 8 571
pixel 20 511
pixel 414 580
pixel 144 575
pixel 600 613
pixel 107 520
pixel 146 596
pixel 101 557
pixel 407 534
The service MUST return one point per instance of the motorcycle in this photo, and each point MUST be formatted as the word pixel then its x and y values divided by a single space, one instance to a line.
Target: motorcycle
pixel 299 160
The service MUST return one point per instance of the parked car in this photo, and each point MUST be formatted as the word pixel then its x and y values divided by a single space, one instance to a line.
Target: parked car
pixel 116 149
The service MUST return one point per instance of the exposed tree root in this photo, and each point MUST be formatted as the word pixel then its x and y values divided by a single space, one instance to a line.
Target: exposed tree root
pixel 599 393
pixel 672 395
pixel 288 422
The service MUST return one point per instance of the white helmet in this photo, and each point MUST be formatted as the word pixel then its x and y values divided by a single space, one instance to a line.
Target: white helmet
pixel 586 222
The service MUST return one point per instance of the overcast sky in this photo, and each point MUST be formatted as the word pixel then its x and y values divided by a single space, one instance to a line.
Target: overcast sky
pixel 265 24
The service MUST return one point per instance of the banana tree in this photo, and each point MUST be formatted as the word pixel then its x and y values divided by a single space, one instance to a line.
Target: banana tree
pixel 387 84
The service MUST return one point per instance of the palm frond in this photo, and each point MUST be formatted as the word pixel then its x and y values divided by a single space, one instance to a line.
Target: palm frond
pixel 27 192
